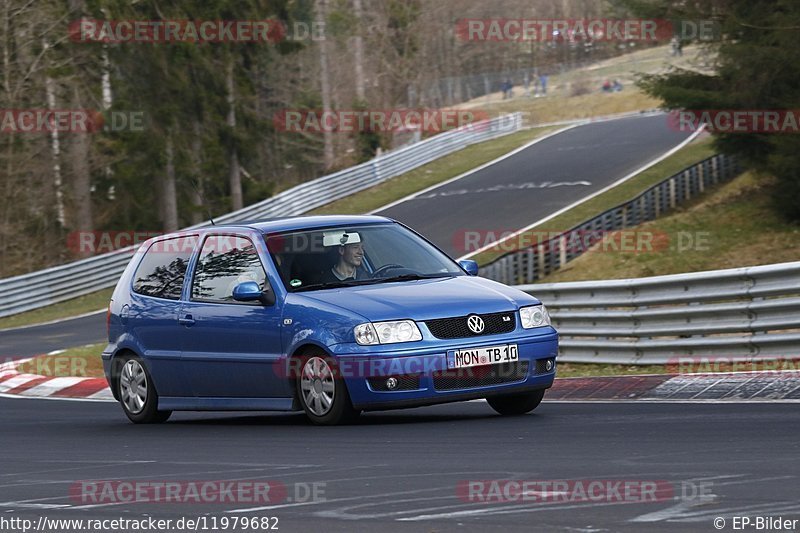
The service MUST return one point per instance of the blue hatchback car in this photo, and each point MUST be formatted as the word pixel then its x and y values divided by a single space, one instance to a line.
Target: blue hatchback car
pixel 330 315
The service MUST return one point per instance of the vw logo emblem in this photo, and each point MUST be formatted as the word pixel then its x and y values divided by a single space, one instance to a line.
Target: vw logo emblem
pixel 475 324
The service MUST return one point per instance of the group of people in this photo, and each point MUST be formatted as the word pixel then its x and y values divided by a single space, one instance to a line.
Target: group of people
pixel 539 85
pixel 612 87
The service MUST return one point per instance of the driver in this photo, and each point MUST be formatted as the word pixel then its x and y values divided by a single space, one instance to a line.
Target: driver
pixel 349 264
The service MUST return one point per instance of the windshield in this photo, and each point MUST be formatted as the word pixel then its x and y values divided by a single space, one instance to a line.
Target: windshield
pixel 358 255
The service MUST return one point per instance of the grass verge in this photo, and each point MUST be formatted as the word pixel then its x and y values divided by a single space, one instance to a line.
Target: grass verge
pixel 731 226
pixel 77 306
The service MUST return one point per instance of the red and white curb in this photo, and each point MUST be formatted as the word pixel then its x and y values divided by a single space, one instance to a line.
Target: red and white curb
pixel 719 387
pixel 15 383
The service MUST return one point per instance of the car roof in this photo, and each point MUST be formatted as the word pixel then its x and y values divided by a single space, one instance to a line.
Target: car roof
pixel 280 225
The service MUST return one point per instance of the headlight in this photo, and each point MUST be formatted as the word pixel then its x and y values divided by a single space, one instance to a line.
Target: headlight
pixel 387 332
pixel 365 334
pixel 534 316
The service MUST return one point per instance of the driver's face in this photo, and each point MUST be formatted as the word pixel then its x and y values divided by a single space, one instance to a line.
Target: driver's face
pixel 352 254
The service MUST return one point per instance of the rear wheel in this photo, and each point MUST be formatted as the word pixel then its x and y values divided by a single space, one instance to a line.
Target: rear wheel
pixel 516 404
pixel 137 394
pixel 322 393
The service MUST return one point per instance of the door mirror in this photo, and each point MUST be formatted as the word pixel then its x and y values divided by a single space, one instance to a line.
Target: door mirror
pixel 249 291
pixel 470 266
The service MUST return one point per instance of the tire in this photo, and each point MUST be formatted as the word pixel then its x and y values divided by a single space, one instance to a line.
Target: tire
pixel 323 393
pixel 137 393
pixel 516 404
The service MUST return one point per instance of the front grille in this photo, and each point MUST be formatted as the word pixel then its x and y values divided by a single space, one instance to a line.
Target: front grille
pixel 456 328
pixel 406 382
pixel 480 376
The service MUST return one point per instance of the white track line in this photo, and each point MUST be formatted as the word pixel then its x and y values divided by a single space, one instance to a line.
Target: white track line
pixel 586 198
pixel 56 321
pixel 474 170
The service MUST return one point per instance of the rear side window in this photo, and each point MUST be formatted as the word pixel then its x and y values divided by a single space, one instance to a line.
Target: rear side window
pixel 163 268
pixel 225 262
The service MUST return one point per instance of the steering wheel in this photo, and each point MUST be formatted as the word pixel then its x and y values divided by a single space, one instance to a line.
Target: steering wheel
pixel 385 268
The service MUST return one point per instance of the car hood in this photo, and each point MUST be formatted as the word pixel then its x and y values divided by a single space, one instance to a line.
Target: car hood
pixel 424 299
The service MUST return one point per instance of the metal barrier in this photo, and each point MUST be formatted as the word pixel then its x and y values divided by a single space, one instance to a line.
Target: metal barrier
pixel 64 282
pixel 541 258
pixel 738 314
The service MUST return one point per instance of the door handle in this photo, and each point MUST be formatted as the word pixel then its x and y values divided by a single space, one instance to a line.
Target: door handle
pixel 186 321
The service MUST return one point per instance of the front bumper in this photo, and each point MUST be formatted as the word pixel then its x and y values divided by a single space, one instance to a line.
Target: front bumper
pixel 424 379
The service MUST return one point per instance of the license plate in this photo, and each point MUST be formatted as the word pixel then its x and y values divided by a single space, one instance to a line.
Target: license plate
pixel 489 355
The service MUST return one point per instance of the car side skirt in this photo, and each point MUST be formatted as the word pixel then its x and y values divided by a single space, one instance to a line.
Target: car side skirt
pixel 226 404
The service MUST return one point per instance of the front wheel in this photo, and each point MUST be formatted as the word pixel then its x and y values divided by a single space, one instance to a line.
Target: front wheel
pixel 137 394
pixel 323 394
pixel 516 404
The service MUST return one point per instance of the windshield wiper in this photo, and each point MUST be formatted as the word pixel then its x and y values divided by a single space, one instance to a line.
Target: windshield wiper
pixel 331 285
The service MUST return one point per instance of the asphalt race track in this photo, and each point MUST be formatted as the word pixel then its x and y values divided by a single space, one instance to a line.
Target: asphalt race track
pixel 536 182
pixel 36 340
pixel 597 153
pixel 398 471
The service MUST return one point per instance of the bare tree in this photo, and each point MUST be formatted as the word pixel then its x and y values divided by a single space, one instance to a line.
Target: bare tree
pixel 234 170
pixel 358 52
pixel 169 204
pixel 320 12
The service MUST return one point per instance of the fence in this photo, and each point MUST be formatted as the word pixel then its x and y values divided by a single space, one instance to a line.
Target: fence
pixel 56 284
pixel 747 313
pixel 541 258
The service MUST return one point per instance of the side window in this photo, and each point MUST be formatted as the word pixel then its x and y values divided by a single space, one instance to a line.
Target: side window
pixel 163 268
pixel 225 262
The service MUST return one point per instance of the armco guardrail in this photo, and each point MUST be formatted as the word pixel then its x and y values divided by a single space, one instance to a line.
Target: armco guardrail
pixel 52 285
pixel 737 314
pixel 540 259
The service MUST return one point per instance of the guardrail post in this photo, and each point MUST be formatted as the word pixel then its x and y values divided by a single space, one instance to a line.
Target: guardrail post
pixel 701 178
pixel 672 192
pixel 715 170
pixel 687 179
pixel 562 252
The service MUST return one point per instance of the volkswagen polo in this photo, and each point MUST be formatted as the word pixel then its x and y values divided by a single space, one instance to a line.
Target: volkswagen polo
pixel 330 315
